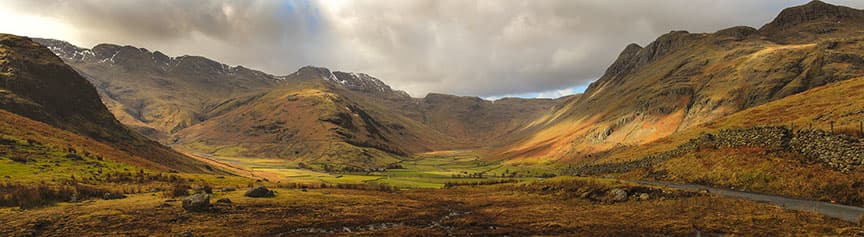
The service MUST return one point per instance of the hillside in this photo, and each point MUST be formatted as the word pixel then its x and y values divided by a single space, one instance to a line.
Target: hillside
pixel 36 84
pixel 785 146
pixel 678 82
pixel 344 121
pixel 312 120
pixel 682 80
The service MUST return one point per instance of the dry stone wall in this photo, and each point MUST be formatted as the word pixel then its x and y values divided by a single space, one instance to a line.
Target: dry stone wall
pixel 840 152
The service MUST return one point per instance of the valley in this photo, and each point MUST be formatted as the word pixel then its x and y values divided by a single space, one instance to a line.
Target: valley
pixel 428 170
pixel 742 131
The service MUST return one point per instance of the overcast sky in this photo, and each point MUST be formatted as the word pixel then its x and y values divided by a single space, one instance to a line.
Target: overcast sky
pixel 527 48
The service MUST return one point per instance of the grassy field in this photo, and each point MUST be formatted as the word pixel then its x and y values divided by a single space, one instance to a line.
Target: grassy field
pixel 428 170
pixel 33 162
pixel 528 208
pixel 349 203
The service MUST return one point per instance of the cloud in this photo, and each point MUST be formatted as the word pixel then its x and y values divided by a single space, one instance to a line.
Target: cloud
pixel 276 36
pixel 467 47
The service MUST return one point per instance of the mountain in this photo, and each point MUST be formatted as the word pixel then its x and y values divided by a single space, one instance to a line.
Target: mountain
pixel 158 95
pixel 338 120
pixel 809 145
pixel 685 79
pixel 812 21
pixel 474 121
pixel 37 85
pixel 678 82
pixel 315 116
pixel 312 119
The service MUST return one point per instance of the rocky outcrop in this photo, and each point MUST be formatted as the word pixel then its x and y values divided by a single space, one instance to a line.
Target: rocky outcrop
pixel 813 11
pixel 812 21
pixel 625 62
pixel 738 32
pixel 365 83
pixel 634 57
pixel 664 45
pixel 359 82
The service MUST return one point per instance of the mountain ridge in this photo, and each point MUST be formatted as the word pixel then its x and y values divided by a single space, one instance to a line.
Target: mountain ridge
pixel 677 81
pixel 39 86
pixel 348 113
pixel 684 79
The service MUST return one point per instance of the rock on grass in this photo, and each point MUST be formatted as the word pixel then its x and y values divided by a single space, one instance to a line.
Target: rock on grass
pixel 197 202
pixel 259 192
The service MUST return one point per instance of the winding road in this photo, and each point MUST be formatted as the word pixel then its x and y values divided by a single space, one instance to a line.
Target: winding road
pixel 843 212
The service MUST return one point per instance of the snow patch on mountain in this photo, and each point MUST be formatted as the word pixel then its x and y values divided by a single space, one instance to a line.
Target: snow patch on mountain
pixel 132 56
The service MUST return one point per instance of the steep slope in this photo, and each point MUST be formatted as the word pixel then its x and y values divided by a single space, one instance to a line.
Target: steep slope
pixel 684 79
pixel 15 127
pixel 808 145
pixel 158 95
pixel 36 84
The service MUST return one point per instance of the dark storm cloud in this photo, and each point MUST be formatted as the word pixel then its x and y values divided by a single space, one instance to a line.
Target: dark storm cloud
pixel 484 48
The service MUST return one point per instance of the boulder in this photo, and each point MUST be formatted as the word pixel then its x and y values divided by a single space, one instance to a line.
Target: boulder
pixel 617 195
pixel 228 189
pixel 197 202
pixel 260 191
pixel 186 233
pixel 112 196
pixel 224 201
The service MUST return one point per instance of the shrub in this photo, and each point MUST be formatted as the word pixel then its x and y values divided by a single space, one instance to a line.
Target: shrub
pixel 479 183
pixel 8 142
pixel 19 159
pixel 34 195
pixel 207 189
pixel 73 156
pixel 179 190
pixel 367 187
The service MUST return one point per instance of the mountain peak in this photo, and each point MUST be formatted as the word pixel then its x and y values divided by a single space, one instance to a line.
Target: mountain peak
pixel 812 12
pixel 313 72
pixel 360 82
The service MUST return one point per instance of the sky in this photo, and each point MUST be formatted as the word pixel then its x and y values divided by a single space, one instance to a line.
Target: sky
pixel 486 48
